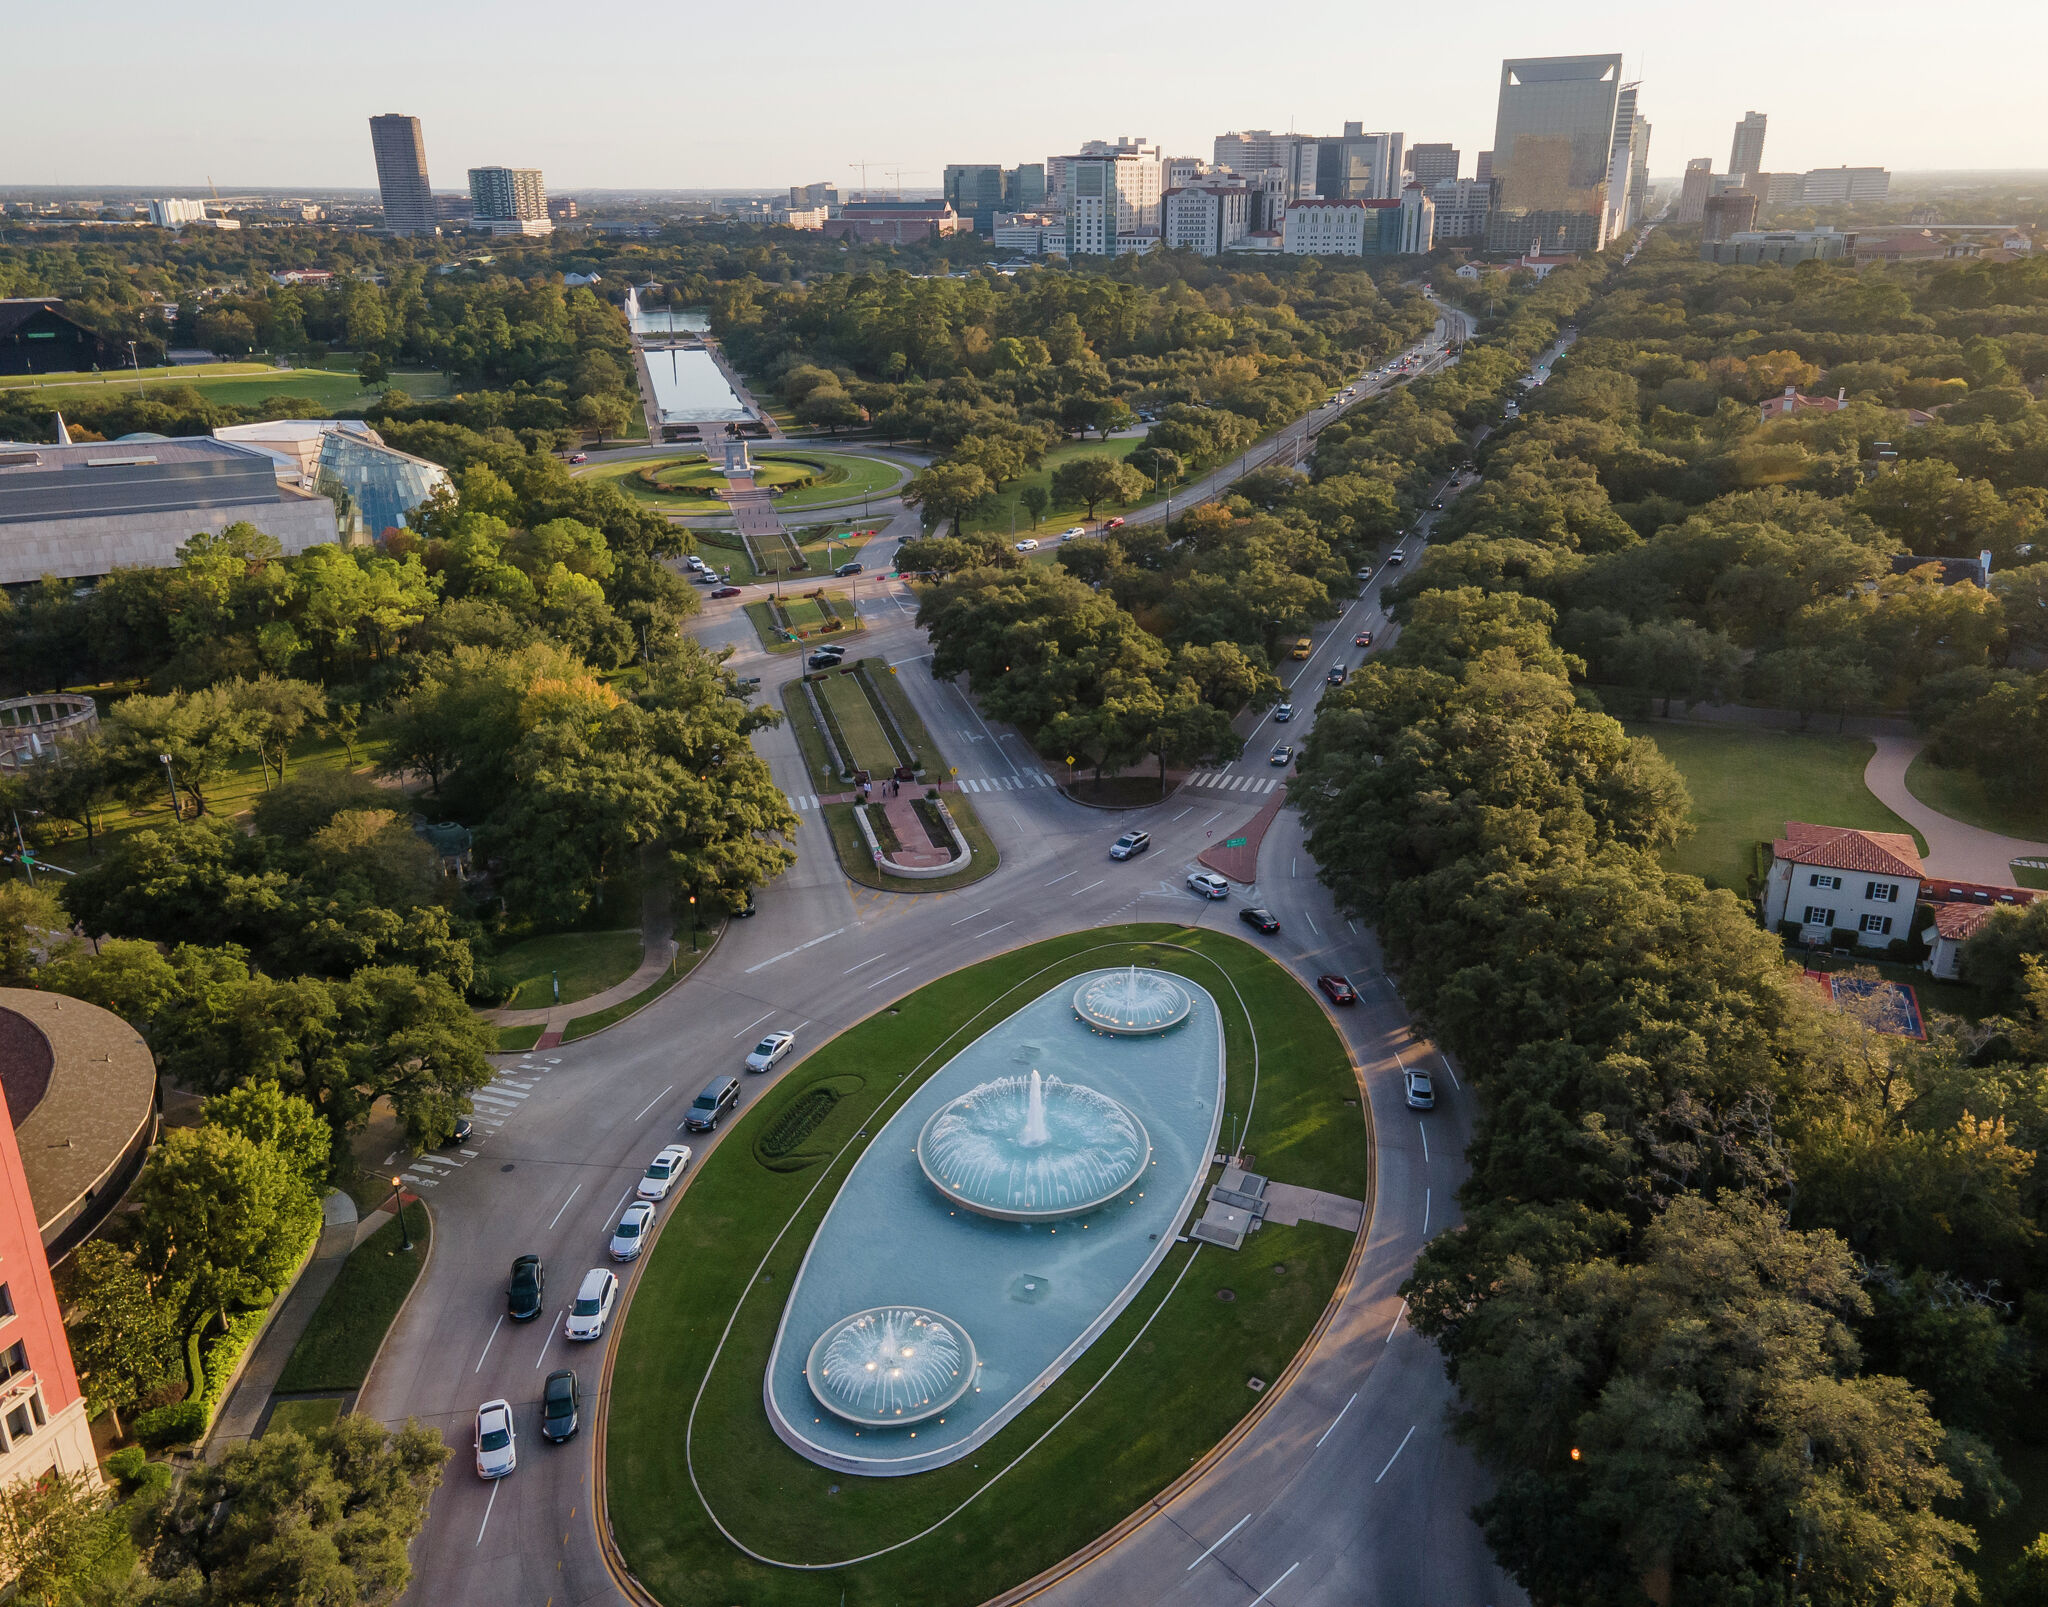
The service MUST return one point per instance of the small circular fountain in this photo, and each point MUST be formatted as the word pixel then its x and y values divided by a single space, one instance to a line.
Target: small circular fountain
pixel 1030 1149
pixel 1132 1004
pixel 891 1364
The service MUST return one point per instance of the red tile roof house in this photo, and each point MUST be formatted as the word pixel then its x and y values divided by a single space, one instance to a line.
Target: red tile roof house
pixel 1960 910
pixel 1828 879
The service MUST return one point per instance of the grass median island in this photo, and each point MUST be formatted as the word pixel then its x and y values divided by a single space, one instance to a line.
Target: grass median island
pixel 857 860
pixel 861 730
pixel 1178 1392
pixel 341 1342
pixel 1747 781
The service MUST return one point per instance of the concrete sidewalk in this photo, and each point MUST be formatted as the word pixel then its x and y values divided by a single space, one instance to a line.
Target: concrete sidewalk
pixel 1957 851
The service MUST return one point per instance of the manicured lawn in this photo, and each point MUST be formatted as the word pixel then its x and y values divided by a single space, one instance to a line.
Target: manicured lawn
pixel 1747 782
pixel 248 385
pixel 996 516
pixel 806 615
pixel 865 740
pixel 1962 795
pixel 303 1416
pixel 810 741
pixel 517 1040
pixel 840 477
pixel 1178 1391
pixel 685 962
pixel 846 477
pixel 586 962
pixel 338 1346
pixel 128 376
pixel 856 860
pixel 909 724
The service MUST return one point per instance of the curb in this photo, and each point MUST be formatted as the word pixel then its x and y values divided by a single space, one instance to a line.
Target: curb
pixel 1122 809
pixel 404 1305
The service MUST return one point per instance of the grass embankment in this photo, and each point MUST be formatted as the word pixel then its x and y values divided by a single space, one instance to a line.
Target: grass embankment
pixel 806 616
pixel 1962 795
pixel 586 963
pixel 1746 782
pixel 1001 508
pixel 303 1416
pixel 517 1040
pixel 341 1342
pixel 860 733
pixel 248 385
pixel 1177 1393
pixel 685 961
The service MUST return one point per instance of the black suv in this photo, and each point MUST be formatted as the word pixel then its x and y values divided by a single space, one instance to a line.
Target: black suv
pixel 523 1298
pixel 709 1108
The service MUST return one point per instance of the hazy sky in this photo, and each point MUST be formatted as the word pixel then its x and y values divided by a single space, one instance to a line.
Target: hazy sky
pixel 270 94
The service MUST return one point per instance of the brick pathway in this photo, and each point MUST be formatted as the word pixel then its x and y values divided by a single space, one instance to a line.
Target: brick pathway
pixel 1241 864
pixel 917 848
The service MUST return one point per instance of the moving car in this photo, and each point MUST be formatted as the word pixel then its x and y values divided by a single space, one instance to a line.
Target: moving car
pixel 1339 989
pixel 1129 844
pixel 1028 544
pixel 1282 754
pixel 630 1236
pixel 461 1133
pixel 1438 503
pixel 497 1452
pixel 1397 556
pixel 1260 920
pixel 826 658
pixel 1068 534
pixel 579 457
pixel 1114 524
pixel 1208 884
pixel 770 1049
pixel 595 1297
pixel 1421 1091
pixel 1336 675
pixel 726 591
pixel 523 1295
pixel 1362 639
pixel 1283 714
pixel 852 567
pixel 1303 648
pixel 559 1398
pixel 662 1172
pixel 708 1109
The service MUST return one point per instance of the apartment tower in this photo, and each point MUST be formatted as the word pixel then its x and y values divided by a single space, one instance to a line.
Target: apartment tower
pixel 402 174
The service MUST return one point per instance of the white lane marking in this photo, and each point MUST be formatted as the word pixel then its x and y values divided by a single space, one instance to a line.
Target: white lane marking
pixel 565 1204
pixel 1398 1315
pixel 488 1342
pixel 480 1528
pixel 864 964
pixel 1294 866
pixel 420 1182
pixel 1213 818
pixel 623 1198
pixel 1058 879
pixel 1405 1438
pixel 657 1099
pixel 751 1025
pixel 881 979
pixel 543 1356
pixel 1425 1213
pixel 1446 1059
pixel 991 932
pixel 814 942
pixel 1425 1139
pixel 1337 1419
pixel 1077 892
pixel 1204 1557
pixel 1275 1585
pixel 1354 927
pixel 977 915
pixel 509 1101
pixel 469 1152
pixel 1187 811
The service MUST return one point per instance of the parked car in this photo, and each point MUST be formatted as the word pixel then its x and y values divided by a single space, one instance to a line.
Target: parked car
pixel 1338 989
pixel 1028 544
pixel 704 577
pixel 1259 920
pixel 523 1295
pixel 1131 843
pixel 708 1109
pixel 726 591
pixel 1421 1091
pixel 1282 754
pixel 1283 714
pixel 630 1236
pixel 1362 639
pixel 461 1133
pixel 669 1163
pixel 853 568
pixel 1208 884
pixel 497 1448
pixel 770 1049
pixel 696 562
pixel 560 1396
pixel 1336 675
pixel 595 1297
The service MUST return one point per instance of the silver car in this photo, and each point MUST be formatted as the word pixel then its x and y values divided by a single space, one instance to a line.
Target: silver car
pixel 497 1447
pixel 630 1236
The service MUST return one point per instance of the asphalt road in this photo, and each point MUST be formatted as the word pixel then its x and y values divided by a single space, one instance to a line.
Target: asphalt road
pixel 1349 1489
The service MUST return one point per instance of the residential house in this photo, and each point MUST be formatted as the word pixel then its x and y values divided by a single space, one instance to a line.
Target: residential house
pixel 1828 879
pixel 1960 910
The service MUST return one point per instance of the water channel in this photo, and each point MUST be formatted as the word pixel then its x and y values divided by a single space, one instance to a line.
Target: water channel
pixel 690 387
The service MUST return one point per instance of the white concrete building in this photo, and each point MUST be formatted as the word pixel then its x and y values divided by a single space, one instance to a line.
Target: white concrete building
pixel 1207 218
pixel 1418 221
pixel 1828 879
pixel 1460 208
pixel 1112 194
pixel 175 212
pixel 1033 233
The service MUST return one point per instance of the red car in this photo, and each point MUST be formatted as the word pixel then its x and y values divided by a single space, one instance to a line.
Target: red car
pixel 579 457
pixel 1362 639
pixel 1113 524
pixel 726 591
pixel 1338 988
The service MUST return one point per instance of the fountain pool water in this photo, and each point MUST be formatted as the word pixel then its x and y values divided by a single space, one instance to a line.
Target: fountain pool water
pixel 1033 1149
pixel 1132 1004
pixel 891 1364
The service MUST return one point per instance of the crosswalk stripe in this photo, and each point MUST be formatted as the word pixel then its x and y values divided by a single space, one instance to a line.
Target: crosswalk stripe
pixel 499 1102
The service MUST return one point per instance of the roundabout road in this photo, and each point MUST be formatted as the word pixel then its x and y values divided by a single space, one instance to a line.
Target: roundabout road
pixel 1347 1489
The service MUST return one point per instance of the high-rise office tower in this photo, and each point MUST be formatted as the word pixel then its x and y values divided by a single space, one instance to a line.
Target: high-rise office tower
pixel 1693 193
pixel 1553 143
pixel 975 190
pixel 1639 174
pixel 1432 164
pixel 1622 164
pixel 402 174
pixel 1482 167
pixel 1358 166
pixel 509 200
pixel 1112 192
pixel 1746 155
pixel 1023 188
pixel 1730 212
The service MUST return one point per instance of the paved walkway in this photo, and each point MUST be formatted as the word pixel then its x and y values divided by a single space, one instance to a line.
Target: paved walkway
pixel 657 953
pixel 916 849
pixel 1954 850
pixel 238 1419
pixel 1241 863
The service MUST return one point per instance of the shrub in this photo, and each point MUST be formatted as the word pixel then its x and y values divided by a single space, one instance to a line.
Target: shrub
pixel 126 1467
pixel 179 1423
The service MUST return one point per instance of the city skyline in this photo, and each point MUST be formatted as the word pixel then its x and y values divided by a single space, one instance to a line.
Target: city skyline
pixel 924 106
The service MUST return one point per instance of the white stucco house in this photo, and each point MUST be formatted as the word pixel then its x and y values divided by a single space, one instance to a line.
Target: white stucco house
pixel 1960 910
pixel 1826 879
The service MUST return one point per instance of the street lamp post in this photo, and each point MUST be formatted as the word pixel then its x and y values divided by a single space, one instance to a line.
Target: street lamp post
pixel 398 1204
pixel 171 778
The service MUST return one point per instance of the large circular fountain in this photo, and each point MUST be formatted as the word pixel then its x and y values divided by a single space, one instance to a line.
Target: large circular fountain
pixel 891 1364
pixel 1029 1149
pixel 1132 1004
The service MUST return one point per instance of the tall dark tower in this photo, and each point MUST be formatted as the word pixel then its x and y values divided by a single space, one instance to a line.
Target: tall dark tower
pixel 402 174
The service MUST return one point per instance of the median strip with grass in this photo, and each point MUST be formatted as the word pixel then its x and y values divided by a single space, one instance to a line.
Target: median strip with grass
pixel 1163 1394
pixel 338 1346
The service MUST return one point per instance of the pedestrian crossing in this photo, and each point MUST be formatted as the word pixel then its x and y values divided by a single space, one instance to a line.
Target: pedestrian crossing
pixel 807 802
pixel 1224 781
pixel 491 1107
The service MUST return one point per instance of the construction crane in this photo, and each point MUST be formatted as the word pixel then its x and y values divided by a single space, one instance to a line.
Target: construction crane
pixel 898 172
pixel 864 166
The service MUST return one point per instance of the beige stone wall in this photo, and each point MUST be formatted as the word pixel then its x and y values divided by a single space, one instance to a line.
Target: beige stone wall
pixel 98 545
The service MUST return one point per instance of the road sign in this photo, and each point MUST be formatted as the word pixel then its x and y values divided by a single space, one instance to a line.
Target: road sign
pixel 1233 842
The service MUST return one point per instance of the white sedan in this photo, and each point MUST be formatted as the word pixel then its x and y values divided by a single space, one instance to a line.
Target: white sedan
pixel 631 1234
pixel 1028 544
pixel 497 1450
pixel 770 1049
pixel 662 1172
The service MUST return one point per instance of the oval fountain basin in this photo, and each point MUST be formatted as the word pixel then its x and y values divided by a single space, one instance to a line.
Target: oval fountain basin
pixel 1127 1125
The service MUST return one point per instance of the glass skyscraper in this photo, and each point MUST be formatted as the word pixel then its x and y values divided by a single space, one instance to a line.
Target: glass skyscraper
pixel 402 174
pixel 1553 142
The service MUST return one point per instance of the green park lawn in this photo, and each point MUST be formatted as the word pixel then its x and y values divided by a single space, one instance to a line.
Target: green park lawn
pixel 339 1344
pixel 1003 505
pixel 840 477
pixel 586 962
pixel 1746 782
pixel 1962 795
pixel 303 1416
pixel 1161 1397
pixel 867 744
pixel 250 384
pixel 128 376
